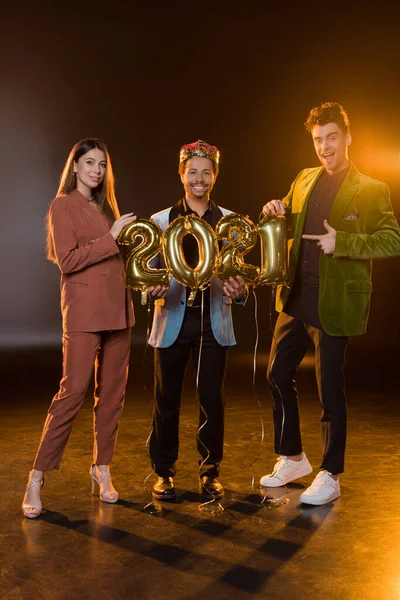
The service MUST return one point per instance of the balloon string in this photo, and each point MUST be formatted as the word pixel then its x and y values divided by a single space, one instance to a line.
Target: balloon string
pixel 272 325
pixel 145 352
pixel 202 409
pixel 147 443
pixel 271 308
pixel 257 337
pixel 255 390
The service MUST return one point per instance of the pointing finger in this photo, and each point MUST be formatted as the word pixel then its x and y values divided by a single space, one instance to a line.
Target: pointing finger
pixel 311 237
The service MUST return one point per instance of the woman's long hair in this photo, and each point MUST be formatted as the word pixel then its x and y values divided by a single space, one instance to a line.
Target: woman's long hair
pixel 103 194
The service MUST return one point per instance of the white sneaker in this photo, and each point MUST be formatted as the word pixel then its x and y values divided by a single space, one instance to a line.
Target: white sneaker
pixel 323 489
pixel 287 470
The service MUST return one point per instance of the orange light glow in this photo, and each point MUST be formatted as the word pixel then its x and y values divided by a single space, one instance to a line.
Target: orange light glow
pixel 382 163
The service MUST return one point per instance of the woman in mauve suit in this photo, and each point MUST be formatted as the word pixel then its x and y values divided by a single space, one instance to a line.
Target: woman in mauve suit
pixel 83 224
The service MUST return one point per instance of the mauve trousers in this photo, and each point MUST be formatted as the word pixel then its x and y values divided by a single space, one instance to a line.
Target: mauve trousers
pixel 108 353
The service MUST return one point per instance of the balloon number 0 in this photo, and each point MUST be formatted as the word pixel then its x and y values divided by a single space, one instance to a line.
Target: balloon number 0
pixel 199 277
pixel 237 232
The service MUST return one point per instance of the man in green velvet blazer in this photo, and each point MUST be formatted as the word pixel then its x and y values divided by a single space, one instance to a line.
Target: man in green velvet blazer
pixel 339 221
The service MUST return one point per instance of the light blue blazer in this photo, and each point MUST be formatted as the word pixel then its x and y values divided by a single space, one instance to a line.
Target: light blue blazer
pixel 168 318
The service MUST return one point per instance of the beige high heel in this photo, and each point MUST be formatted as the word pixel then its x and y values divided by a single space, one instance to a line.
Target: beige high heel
pixel 109 497
pixel 29 507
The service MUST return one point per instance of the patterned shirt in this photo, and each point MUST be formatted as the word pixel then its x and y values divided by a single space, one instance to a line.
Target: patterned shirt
pixel 319 207
pixel 303 299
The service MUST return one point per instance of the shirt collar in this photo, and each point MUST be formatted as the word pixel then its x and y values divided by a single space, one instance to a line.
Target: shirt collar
pixel 343 173
pixel 187 210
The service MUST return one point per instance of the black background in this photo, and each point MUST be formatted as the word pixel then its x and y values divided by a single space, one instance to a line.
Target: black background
pixel 149 76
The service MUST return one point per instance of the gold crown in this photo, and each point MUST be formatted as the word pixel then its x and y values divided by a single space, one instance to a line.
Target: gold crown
pixel 201 149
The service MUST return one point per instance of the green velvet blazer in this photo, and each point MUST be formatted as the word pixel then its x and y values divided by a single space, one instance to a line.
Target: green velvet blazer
pixel 366 229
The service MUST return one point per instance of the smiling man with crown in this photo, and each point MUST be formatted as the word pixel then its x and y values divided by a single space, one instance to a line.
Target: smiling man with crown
pixel 204 329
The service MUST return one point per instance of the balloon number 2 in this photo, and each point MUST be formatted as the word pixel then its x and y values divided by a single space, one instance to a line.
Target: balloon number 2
pixel 138 274
pixel 238 234
pixel 242 237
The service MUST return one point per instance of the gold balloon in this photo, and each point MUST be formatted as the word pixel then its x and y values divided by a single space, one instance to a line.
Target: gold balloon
pixel 138 274
pixel 273 236
pixel 199 277
pixel 242 236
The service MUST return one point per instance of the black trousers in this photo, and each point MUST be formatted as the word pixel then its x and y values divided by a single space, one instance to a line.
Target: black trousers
pixel 170 366
pixel 291 340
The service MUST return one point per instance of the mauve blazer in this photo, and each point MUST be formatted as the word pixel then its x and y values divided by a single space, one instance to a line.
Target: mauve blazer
pixel 93 293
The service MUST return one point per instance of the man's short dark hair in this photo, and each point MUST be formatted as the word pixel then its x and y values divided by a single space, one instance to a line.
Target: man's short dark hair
pixel 328 112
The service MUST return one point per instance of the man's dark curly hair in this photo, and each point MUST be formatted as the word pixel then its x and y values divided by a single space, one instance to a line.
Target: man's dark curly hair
pixel 328 112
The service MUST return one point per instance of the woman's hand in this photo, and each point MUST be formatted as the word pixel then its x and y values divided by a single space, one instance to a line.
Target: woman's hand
pixel 121 223
pixel 156 292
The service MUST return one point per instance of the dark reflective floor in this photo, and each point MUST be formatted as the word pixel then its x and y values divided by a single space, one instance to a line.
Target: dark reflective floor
pixel 255 548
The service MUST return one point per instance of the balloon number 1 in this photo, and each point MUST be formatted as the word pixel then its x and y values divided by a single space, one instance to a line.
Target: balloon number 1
pixel 237 232
pixel 272 231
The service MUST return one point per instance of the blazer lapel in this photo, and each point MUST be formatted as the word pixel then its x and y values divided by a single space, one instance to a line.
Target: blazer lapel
pixel 302 197
pixel 344 196
pixel 93 213
pixel 300 207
